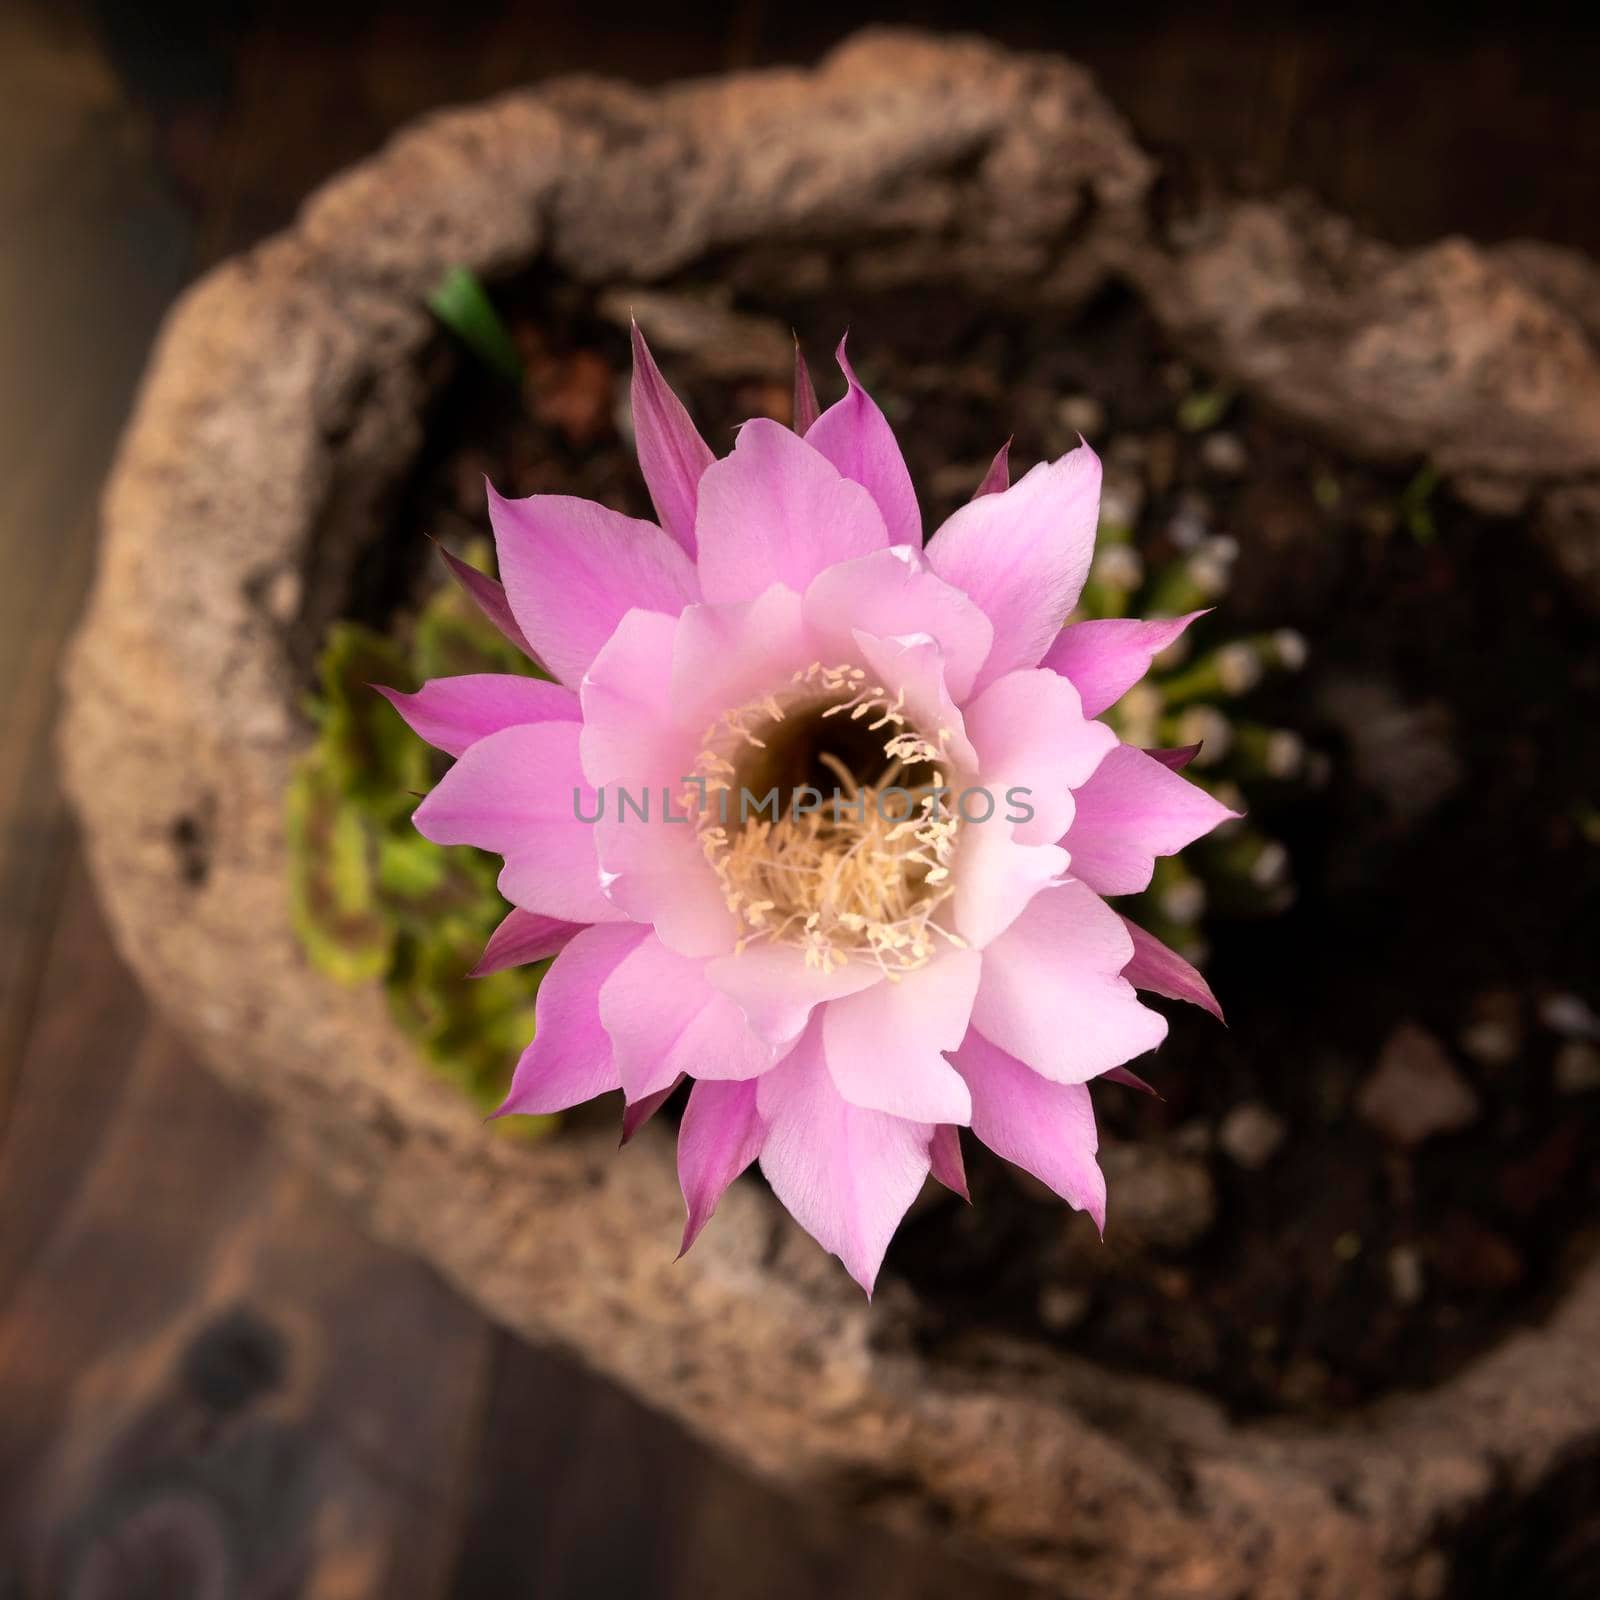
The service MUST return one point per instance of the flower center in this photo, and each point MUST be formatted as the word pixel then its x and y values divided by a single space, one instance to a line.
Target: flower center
pixel 826 816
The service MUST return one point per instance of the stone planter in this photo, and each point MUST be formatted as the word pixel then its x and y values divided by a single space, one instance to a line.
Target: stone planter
pixel 282 410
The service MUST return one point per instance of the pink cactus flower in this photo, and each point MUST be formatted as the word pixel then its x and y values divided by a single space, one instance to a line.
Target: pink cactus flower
pixel 817 816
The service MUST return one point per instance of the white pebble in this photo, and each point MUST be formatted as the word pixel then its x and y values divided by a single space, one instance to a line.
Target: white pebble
pixel 1570 1016
pixel 1405 1275
pixel 1577 1067
pixel 1251 1134
pixel 1291 648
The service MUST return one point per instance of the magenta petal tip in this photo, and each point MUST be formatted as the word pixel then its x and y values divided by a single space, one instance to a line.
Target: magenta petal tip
pixel 944 1153
pixel 672 455
pixel 998 478
pixel 1131 1080
pixel 638 1112
pixel 489 597
pixel 807 408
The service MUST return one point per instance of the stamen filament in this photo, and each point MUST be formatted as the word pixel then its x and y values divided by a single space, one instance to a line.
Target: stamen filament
pixel 841 882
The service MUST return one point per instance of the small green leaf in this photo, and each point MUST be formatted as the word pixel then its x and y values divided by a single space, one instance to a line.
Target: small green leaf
pixel 370 753
pixel 1415 507
pixel 1588 820
pixel 411 867
pixel 372 899
pixel 1326 491
pixel 1204 409
pixel 332 892
pixel 461 303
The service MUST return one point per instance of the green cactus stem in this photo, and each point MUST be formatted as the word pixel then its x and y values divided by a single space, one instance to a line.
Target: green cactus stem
pixel 373 901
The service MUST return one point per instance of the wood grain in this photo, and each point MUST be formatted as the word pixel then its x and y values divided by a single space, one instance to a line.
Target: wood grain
pixel 93 253
pixel 202 1319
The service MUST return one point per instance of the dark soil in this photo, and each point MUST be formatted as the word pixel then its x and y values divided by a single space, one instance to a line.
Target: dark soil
pixel 1544 1542
pixel 1446 871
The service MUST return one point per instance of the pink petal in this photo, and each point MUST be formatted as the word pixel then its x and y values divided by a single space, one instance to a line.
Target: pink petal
pixel 655 871
pixel 1106 657
pixel 1045 1128
pixel 570 1059
pixel 672 455
pixel 629 733
pixel 913 665
pixel 490 599
pixel 1031 734
pixel 998 478
pixel 638 1112
pixel 648 699
pixel 665 1019
pixel 1052 992
pixel 513 793
pixel 573 570
pixel 856 437
pixel 1035 745
pixel 452 713
pixel 944 1152
pixel 883 1045
pixel 523 936
pixel 806 408
pixel 727 655
pixel 722 1134
pixel 776 511
pixel 996 877
pixel 893 592
pixel 1132 810
pixel 1023 555
pixel 1163 971
pixel 847 1176
pixel 776 990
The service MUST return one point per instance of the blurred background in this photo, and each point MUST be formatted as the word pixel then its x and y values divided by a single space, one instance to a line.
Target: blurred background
pixel 435 1455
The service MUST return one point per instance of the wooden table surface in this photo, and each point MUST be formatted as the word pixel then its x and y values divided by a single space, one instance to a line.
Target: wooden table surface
pixel 211 1382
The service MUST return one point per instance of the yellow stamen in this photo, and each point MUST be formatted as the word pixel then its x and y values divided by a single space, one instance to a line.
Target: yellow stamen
pixel 862 875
